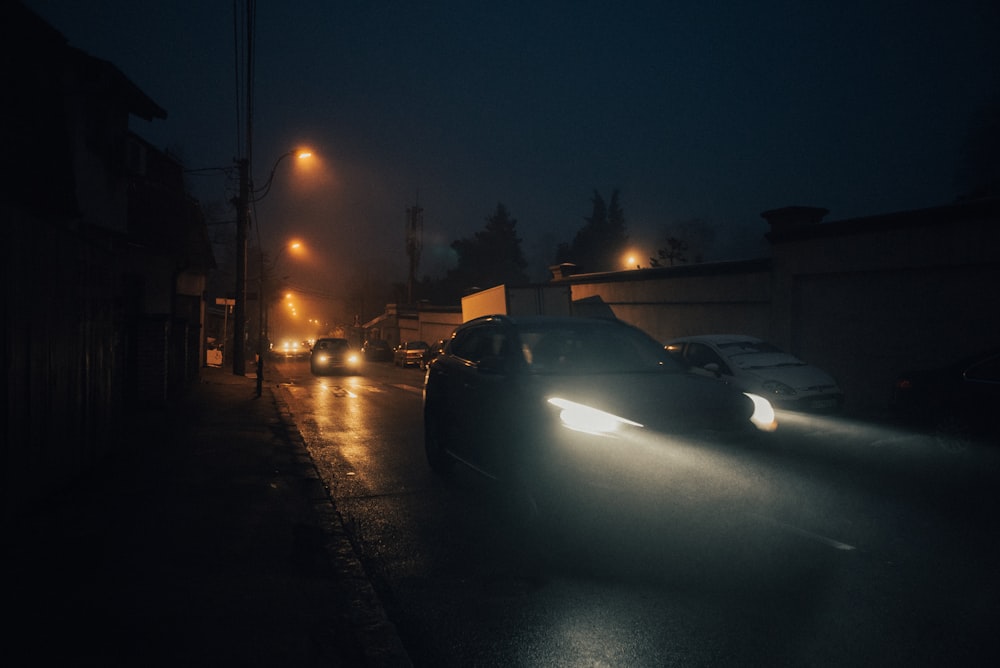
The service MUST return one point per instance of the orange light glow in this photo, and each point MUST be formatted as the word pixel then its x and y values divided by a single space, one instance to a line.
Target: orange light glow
pixel 631 260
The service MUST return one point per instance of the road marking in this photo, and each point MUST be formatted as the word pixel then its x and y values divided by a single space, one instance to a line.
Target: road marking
pixel 835 544
pixel 409 388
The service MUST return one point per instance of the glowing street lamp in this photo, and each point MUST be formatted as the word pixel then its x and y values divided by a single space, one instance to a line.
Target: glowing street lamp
pixel 263 320
pixel 247 196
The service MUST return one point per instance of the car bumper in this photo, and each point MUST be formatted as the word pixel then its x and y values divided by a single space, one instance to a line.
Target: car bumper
pixel 819 403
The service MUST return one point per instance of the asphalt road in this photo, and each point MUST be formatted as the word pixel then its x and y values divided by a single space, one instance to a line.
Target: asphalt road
pixel 832 543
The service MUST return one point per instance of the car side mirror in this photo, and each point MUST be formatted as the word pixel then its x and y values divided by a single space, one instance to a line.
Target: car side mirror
pixel 713 367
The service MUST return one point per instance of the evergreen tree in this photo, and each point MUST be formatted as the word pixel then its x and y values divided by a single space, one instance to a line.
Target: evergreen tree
pixel 491 257
pixel 599 244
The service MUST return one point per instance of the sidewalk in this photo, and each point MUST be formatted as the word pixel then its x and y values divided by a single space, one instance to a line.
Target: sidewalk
pixel 209 541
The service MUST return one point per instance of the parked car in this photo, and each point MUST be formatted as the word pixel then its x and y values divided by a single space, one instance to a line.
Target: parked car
pixel 961 399
pixel 377 350
pixel 331 355
pixel 434 351
pixel 752 365
pixel 514 397
pixel 410 353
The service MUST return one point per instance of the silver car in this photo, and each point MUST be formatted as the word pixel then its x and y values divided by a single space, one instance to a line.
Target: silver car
pixel 753 365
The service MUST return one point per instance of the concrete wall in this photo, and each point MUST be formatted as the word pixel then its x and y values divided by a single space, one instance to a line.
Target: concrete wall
pixel 718 298
pixel 862 298
pixel 868 297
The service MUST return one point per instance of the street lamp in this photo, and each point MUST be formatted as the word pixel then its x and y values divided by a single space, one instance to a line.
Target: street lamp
pixel 262 317
pixel 247 196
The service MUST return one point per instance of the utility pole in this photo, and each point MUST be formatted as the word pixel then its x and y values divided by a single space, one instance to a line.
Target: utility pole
pixel 414 243
pixel 239 309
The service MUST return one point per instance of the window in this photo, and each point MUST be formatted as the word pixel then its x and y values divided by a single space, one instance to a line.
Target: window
pixel 699 356
pixel 479 342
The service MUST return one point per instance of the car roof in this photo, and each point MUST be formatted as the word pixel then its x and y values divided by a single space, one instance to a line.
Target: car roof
pixel 529 320
pixel 716 338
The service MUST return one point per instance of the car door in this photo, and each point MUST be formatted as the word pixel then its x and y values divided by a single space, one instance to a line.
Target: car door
pixel 478 391
pixel 703 360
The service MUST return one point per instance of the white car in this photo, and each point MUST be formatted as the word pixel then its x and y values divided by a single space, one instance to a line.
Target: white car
pixel 755 366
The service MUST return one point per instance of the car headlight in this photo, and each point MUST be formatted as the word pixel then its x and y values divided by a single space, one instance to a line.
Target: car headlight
pixel 777 387
pixel 322 359
pixel 352 358
pixel 579 417
pixel 763 413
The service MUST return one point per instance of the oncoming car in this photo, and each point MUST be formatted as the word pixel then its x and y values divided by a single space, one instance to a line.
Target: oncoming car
pixel 331 355
pixel 292 350
pixel 515 396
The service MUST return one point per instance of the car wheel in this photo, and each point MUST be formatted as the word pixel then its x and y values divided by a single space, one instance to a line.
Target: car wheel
pixel 435 445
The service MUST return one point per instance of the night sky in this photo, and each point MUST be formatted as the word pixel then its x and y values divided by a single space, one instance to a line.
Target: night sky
pixel 694 110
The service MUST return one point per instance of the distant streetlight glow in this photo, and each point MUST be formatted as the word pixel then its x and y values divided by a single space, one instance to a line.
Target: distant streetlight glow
pixel 249 195
pixel 631 261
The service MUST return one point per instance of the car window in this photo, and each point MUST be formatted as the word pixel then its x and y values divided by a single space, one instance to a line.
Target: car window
pixel 592 348
pixel 476 343
pixel 735 348
pixel 699 355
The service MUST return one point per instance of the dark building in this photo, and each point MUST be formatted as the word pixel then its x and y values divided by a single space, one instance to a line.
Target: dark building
pixel 104 261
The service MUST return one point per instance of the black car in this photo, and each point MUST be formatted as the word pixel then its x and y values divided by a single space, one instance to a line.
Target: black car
pixel 960 399
pixel 513 397
pixel 331 355
pixel 376 350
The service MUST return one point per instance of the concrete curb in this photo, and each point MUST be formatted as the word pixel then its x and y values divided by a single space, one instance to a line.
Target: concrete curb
pixel 377 635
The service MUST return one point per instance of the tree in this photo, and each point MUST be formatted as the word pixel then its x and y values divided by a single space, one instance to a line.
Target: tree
pixel 599 244
pixel 491 257
pixel 687 240
pixel 674 252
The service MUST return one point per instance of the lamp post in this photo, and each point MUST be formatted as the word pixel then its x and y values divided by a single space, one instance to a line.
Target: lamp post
pixel 246 196
pixel 262 333
pixel 239 308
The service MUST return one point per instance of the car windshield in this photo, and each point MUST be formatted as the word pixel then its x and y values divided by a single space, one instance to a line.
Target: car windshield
pixel 736 348
pixel 587 348
pixel 757 355
pixel 332 344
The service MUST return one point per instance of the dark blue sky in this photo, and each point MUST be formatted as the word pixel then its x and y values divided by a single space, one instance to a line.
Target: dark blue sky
pixel 708 110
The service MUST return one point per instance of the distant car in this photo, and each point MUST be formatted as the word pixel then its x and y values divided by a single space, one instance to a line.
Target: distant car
pixel 291 350
pixel 752 365
pixel 512 397
pixel 434 351
pixel 962 398
pixel 330 355
pixel 410 353
pixel 377 350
